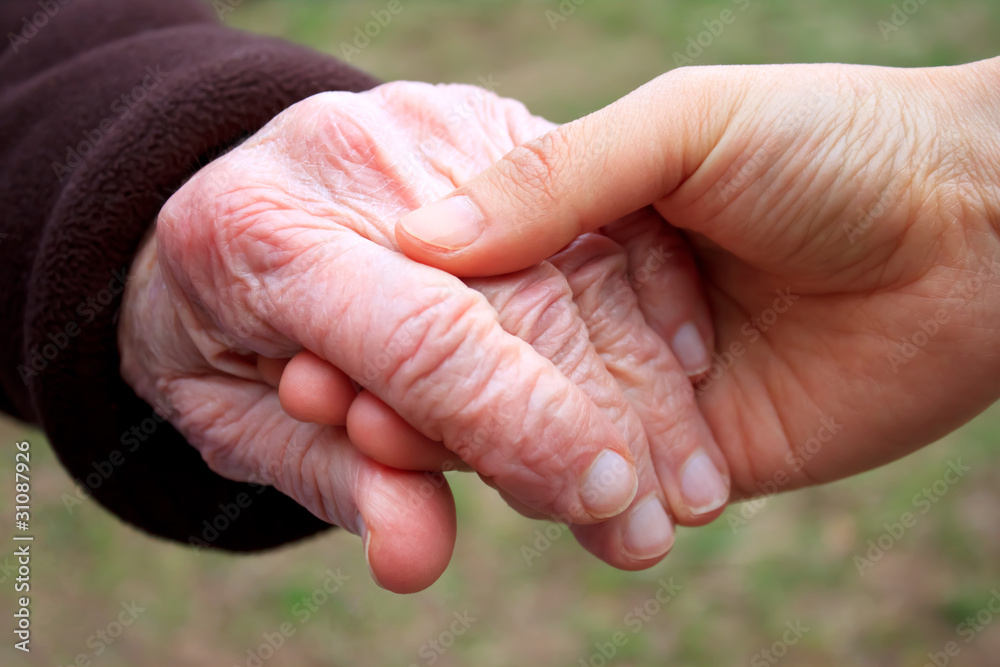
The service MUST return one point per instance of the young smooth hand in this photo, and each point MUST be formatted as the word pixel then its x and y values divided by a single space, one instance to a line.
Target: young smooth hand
pixel 846 221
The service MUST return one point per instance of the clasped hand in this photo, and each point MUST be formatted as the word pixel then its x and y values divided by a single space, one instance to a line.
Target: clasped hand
pixel 289 308
pixel 555 383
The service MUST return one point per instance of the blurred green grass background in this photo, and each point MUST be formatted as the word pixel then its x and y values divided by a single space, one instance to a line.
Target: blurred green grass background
pixel 793 559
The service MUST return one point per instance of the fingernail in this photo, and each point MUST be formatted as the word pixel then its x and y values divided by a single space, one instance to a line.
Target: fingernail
pixel 702 486
pixel 689 348
pixel 649 532
pixel 450 224
pixel 366 540
pixel 609 486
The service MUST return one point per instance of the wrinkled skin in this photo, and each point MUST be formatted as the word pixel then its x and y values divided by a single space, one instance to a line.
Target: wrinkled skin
pixel 286 246
pixel 870 193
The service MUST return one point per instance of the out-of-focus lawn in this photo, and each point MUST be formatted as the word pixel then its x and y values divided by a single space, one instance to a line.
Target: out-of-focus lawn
pixel 791 562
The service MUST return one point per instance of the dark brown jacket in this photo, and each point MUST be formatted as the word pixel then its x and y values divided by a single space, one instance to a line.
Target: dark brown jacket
pixel 106 108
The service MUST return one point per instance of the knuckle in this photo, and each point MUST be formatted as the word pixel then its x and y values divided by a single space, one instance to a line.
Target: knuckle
pixel 536 306
pixel 297 120
pixel 533 168
pixel 203 207
pixel 436 357
pixel 596 271
pixel 313 105
pixel 439 336
pixel 528 459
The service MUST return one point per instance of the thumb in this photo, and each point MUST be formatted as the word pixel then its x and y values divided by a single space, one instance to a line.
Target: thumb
pixel 406 519
pixel 572 180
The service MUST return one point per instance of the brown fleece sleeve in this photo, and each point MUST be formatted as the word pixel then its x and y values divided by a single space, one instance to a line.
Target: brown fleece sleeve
pixel 106 108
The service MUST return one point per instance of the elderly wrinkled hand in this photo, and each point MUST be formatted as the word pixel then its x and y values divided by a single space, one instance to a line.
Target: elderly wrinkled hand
pixel 554 383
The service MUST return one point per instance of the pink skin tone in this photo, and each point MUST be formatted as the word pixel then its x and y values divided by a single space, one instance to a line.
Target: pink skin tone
pixel 846 220
pixel 285 248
